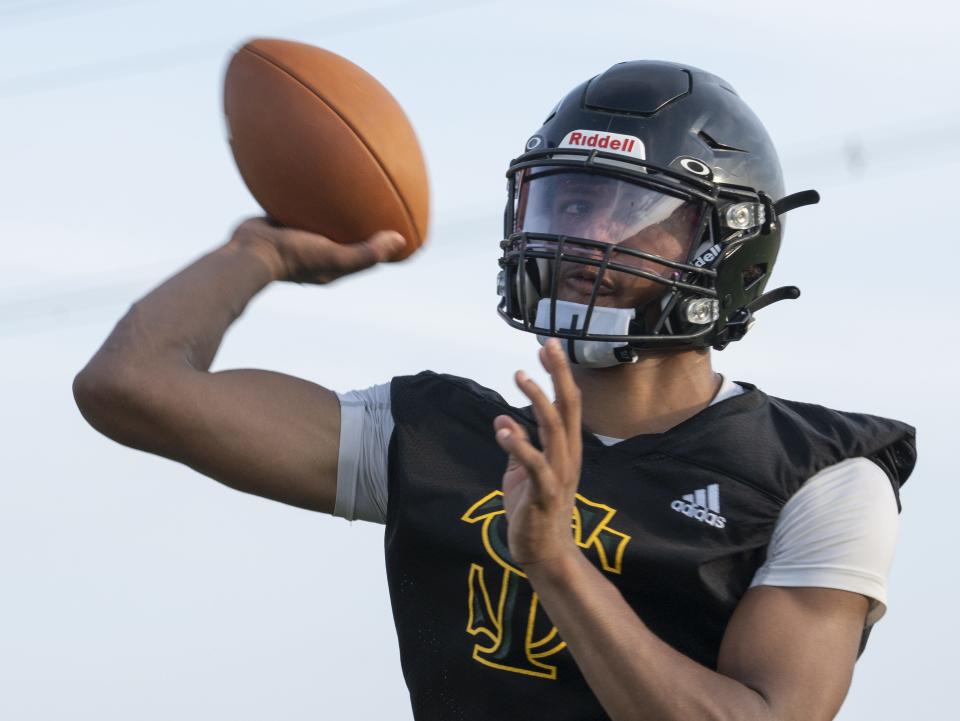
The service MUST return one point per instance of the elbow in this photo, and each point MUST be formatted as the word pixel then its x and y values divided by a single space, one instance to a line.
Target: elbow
pixel 96 391
pixel 134 404
pixel 106 396
pixel 89 390
pixel 120 390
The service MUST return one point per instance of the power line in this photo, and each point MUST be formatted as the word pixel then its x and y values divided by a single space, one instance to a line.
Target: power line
pixel 925 142
pixel 17 311
pixel 850 159
pixel 26 12
pixel 18 8
pixel 33 306
pixel 852 154
pixel 365 19
pixel 31 313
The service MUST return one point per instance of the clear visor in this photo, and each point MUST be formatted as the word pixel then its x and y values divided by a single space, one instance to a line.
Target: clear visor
pixel 594 207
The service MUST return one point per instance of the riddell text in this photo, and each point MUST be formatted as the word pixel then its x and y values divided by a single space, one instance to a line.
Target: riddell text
pixel 595 140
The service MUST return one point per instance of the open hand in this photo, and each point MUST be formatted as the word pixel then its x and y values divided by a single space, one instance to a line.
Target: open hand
pixel 539 487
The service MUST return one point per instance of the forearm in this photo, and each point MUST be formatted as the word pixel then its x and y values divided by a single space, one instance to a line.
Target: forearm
pixel 633 673
pixel 185 318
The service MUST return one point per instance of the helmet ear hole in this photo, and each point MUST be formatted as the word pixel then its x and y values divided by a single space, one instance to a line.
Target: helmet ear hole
pixel 533 274
pixel 531 278
pixel 753 275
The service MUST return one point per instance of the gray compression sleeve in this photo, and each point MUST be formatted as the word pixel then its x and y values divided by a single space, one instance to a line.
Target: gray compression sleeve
pixel 366 424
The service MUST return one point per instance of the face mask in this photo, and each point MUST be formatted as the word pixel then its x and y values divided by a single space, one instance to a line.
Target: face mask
pixel 604 321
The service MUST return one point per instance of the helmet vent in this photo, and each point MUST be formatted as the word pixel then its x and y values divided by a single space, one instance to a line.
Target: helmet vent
pixel 718 146
pixel 753 275
pixel 637 88
pixel 552 113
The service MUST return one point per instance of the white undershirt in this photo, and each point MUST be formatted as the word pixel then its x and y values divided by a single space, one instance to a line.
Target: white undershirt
pixel 838 531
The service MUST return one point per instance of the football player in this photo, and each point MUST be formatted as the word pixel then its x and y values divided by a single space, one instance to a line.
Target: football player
pixel 659 542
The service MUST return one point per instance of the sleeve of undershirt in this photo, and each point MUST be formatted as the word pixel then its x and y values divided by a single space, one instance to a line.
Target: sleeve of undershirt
pixel 838 531
pixel 366 423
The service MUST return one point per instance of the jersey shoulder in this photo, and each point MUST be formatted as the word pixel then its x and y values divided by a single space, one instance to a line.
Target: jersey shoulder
pixel 429 393
pixel 778 443
pixel 889 443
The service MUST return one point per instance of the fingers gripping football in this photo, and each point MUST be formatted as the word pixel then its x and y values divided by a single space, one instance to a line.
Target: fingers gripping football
pixel 304 257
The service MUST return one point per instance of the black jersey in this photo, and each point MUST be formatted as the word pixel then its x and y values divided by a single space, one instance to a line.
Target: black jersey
pixel 678 521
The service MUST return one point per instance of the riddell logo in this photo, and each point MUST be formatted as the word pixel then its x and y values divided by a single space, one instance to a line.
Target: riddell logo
pixel 702 505
pixel 707 256
pixel 610 142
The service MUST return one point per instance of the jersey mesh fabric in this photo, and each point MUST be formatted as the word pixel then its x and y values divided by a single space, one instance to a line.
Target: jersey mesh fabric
pixel 838 531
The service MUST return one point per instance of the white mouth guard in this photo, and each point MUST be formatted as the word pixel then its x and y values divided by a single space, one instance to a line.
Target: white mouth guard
pixel 604 321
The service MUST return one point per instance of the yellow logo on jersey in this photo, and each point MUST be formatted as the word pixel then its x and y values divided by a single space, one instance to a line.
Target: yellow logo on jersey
pixel 513 636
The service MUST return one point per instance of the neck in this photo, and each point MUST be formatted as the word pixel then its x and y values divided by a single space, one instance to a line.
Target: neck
pixel 650 396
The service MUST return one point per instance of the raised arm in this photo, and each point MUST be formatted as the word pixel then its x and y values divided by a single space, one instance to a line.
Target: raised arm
pixel 270 434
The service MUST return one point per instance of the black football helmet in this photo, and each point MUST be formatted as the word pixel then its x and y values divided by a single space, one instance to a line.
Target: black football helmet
pixel 653 178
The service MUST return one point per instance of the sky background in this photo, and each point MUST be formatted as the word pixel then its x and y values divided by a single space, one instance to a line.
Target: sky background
pixel 134 588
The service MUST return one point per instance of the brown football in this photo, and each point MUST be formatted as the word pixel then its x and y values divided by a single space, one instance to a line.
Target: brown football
pixel 322 145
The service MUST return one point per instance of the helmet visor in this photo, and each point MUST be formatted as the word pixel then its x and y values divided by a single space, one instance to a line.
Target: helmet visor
pixel 609 210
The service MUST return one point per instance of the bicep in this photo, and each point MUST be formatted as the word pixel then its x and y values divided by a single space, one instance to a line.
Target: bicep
pixel 796 647
pixel 795 635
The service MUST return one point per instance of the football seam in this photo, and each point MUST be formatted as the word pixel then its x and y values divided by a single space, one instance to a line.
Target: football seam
pixel 393 183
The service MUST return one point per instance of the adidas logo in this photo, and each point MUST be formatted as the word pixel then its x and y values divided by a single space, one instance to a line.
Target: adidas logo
pixel 702 505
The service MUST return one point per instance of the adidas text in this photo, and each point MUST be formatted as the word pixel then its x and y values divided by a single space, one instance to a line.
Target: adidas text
pixel 700 514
